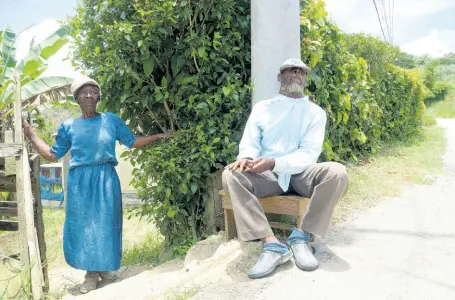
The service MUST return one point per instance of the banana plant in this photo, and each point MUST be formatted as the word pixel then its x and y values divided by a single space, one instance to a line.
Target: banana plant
pixel 29 69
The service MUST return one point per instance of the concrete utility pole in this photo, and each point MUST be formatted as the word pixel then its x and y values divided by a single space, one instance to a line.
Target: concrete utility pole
pixel 275 33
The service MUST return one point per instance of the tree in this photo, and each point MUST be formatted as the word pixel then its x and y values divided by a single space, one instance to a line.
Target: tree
pixel 406 61
pixel 376 52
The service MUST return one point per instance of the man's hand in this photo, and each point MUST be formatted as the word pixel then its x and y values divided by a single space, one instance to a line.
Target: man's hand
pixel 241 165
pixel 261 165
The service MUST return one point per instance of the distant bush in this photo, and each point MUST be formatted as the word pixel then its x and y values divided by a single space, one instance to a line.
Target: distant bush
pixel 440 91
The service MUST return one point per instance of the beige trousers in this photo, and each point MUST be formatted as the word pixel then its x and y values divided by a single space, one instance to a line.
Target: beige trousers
pixel 324 183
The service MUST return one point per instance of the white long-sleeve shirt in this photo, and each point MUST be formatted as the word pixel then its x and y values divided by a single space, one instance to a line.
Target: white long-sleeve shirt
pixel 289 130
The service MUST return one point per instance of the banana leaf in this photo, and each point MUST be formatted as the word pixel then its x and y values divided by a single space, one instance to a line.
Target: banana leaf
pixel 8 53
pixel 36 60
pixel 42 85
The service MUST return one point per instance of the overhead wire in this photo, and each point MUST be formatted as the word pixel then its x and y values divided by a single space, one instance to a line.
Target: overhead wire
pixel 379 18
pixel 386 21
pixel 392 16
pixel 385 12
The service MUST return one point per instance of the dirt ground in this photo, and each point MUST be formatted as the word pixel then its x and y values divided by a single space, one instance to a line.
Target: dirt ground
pixel 400 249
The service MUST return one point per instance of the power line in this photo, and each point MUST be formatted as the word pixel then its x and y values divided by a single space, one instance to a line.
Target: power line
pixel 393 19
pixel 385 12
pixel 379 18
pixel 386 21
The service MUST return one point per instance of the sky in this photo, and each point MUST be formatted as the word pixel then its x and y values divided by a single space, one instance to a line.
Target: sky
pixel 420 26
pixel 38 19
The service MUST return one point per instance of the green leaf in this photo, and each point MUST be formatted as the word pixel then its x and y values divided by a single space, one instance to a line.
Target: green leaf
pixel 127 84
pixel 171 213
pixel 226 90
pixel 42 85
pixel 162 30
pixel 202 53
pixel 345 118
pixel 193 187
pixel 164 82
pixel 149 65
pixel 216 140
pixel 8 53
pixel 34 68
pixel 183 188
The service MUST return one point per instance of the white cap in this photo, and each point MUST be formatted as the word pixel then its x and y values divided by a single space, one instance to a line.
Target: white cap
pixel 294 62
pixel 79 82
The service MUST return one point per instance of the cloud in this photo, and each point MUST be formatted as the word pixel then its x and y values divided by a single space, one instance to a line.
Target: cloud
pixel 436 44
pixel 418 8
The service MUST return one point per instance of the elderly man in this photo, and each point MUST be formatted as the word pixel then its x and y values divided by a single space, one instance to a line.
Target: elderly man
pixel 277 154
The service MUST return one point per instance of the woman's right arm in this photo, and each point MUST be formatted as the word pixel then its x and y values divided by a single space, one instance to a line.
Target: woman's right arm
pixel 38 144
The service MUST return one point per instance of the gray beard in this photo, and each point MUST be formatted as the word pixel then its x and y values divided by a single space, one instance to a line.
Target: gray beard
pixel 292 90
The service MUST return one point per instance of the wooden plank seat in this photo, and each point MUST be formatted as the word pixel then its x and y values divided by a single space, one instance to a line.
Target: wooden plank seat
pixel 291 205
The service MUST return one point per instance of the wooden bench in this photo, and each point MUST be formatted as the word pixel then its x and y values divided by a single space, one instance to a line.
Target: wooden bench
pixel 290 205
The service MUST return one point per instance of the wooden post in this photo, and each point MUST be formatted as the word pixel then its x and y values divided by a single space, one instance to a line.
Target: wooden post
pixel 35 161
pixel 24 254
pixel 229 222
pixel 2 159
pixel 213 208
pixel 24 196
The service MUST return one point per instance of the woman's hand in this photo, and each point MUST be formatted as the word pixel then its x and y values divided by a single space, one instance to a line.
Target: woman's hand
pixel 40 146
pixel 144 140
pixel 28 129
pixel 167 134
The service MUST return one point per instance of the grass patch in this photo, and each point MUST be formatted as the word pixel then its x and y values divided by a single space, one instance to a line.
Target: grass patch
pixel 146 252
pixel 12 282
pixel 446 107
pixel 183 294
pixel 143 244
pixel 402 162
pixel 53 226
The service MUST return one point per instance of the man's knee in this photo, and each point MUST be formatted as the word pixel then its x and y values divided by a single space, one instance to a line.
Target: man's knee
pixel 227 175
pixel 234 178
pixel 230 177
pixel 337 170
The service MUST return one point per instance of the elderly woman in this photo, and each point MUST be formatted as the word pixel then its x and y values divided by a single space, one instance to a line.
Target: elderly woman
pixel 92 238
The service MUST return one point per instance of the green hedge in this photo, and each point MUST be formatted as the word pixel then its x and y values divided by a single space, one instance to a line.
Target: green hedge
pixel 364 108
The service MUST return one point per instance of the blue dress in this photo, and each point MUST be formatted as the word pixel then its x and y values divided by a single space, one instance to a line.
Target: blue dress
pixel 92 236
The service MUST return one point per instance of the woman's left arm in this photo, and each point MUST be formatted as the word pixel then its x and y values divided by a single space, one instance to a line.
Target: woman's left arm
pixel 144 140
pixel 127 137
